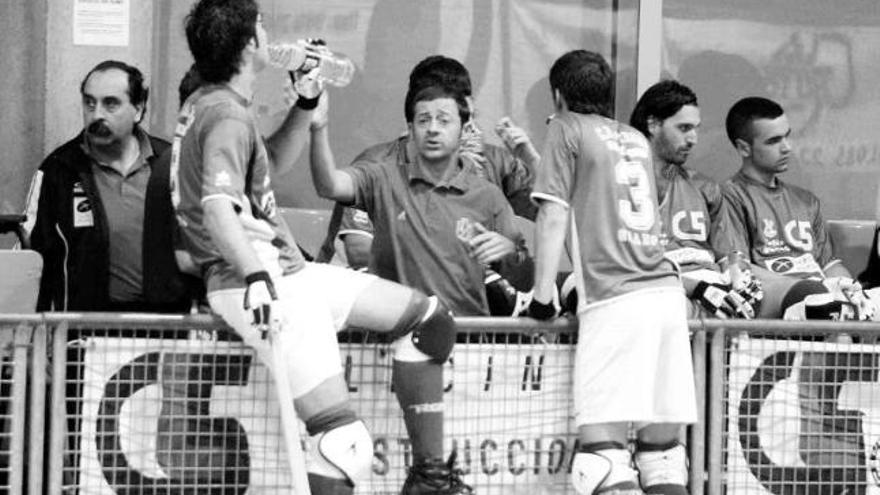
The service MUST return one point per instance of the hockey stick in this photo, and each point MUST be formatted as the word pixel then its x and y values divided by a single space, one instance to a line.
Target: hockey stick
pixel 289 421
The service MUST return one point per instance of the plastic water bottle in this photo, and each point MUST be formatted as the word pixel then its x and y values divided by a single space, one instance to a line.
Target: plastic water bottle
pixel 333 68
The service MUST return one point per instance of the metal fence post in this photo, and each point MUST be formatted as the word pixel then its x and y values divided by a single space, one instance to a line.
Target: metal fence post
pixel 57 427
pixel 715 437
pixel 37 406
pixel 697 437
pixel 19 397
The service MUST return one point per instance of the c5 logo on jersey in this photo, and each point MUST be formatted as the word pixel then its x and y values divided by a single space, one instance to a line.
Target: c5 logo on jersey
pixel 689 225
pixel 798 234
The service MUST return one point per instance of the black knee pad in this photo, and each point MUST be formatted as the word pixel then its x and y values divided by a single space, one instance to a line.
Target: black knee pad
pixel 430 326
pixel 800 290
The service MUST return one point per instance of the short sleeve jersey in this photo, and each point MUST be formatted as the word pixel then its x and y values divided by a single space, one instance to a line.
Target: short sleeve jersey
pixel 501 168
pixel 780 227
pixel 691 211
pixel 355 221
pixel 601 170
pixel 218 152
pixel 512 176
pixel 420 226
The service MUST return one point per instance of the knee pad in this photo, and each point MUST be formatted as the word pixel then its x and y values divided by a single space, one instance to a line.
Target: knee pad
pixel 425 331
pixel 341 446
pixel 663 468
pixel 800 290
pixel 347 449
pixel 603 470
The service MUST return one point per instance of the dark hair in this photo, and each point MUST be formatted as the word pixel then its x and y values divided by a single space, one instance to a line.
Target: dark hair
pixel 137 91
pixel 585 82
pixel 437 70
pixel 661 101
pixel 434 92
pixel 747 110
pixel 189 83
pixel 217 31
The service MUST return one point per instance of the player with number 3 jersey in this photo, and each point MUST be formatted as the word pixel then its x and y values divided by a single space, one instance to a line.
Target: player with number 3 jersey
pixel 632 362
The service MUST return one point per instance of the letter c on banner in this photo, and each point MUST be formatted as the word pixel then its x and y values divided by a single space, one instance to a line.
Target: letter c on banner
pixel 225 434
pixel 821 478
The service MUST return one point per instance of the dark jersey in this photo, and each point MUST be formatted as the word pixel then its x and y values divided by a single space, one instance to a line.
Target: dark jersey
pixel 499 167
pixel 602 172
pixel 218 152
pixel 420 226
pixel 691 211
pixel 781 228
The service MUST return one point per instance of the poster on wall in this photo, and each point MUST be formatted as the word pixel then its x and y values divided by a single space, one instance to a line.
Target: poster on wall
pixel 101 22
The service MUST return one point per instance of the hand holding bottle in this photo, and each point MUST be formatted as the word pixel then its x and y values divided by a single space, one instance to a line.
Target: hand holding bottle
pixel 305 56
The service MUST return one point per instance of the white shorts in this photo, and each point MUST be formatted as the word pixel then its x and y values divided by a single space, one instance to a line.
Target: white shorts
pixel 315 303
pixel 633 360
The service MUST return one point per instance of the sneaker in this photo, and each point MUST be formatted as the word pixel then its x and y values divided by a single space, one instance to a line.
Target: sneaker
pixel 436 477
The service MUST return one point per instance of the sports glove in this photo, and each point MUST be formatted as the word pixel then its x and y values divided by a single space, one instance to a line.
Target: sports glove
pixel 750 289
pixel 259 298
pixel 722 301
pixel 850 291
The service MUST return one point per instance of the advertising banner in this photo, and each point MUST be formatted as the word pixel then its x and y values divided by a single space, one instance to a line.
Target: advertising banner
pixel 168 414
pixel 802 417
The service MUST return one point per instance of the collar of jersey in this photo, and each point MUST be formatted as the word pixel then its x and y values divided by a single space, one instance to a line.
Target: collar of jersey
pixel 416 173
pixel 758 183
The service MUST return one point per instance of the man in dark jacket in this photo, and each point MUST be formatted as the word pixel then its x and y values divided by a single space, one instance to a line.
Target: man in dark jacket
pixel 104 222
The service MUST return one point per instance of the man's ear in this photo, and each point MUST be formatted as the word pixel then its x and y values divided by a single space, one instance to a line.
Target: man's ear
pixel 141 111
pixel 743 147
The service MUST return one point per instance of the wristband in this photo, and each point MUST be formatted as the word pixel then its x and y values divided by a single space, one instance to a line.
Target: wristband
pixel 307 103
pixel 257 276
pixel 541 311
pixel 262 276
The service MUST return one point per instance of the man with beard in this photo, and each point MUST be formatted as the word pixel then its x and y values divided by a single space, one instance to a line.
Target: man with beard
pixel 104 220
pixel 690 205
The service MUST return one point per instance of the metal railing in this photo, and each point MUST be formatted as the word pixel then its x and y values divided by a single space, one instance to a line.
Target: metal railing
pixel 167 403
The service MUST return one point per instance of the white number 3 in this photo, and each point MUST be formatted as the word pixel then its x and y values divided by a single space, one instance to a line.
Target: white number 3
pixel 635 207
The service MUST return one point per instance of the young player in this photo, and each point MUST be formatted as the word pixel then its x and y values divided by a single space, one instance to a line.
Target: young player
pixel 779 225
pixel 633 360
pixel 258 281
pixel 691 205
